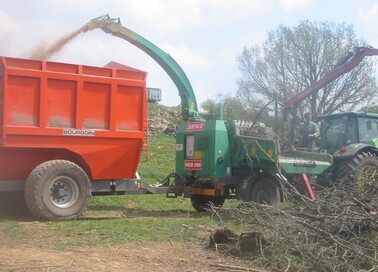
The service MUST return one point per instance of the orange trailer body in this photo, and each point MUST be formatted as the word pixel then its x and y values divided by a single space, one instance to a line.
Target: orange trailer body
pixel 95 117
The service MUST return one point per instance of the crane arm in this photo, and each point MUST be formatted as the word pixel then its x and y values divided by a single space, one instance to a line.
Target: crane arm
pixel 348 63
pixel 114 27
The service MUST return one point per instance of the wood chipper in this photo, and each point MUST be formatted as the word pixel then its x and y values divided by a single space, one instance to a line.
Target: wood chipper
pixel 214 160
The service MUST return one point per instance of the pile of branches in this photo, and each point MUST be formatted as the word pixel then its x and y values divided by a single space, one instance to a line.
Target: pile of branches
pixel 336 232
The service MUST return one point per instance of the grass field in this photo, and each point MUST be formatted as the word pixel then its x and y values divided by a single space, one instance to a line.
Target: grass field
pixel 161 158
pixel 119 219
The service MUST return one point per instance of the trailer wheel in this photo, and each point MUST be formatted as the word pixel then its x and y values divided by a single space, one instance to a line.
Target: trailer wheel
pixel 57 189
pixel 265 191
pixel 203 203
pixel 361 172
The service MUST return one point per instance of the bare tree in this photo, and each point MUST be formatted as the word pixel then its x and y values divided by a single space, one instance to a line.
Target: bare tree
pixel 291 59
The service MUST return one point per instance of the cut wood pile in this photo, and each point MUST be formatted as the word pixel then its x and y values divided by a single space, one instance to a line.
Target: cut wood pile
pixel 337 232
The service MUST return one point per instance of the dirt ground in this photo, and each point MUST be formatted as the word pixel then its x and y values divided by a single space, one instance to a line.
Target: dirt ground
pixel 40 255
pixel 146 257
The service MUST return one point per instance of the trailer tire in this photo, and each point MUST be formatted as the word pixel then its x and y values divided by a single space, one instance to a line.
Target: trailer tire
pixel 265 191
pixel 203 203
pixel 361 171
pixel 57 190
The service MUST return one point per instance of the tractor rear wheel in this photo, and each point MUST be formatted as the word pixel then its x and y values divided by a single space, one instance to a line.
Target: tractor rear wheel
pixel 361 172
pixel 57 189
pixel 203 203
pixel 266 191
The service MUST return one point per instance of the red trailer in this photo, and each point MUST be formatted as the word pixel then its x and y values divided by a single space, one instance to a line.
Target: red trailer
pixel 68 130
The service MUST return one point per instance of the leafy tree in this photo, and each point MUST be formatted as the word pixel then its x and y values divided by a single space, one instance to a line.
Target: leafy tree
pixel 291 59
pixel 232 109
pixel 373 108
pixel 210 109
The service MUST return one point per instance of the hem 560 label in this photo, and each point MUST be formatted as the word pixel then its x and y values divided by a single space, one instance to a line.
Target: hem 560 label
pixel 193 165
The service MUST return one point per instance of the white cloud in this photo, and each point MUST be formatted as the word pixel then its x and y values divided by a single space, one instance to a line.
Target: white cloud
pixel 7 24
pixel 233 9
pixel 290 5
pixel 173 15
pixel 187 57
pixel 167 16
pixel 9 33
pixel 367 19
pixel 369 14
pixel 204 90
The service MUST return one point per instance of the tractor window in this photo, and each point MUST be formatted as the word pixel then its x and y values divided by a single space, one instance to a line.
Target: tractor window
pixel 368 130
pixel 337 132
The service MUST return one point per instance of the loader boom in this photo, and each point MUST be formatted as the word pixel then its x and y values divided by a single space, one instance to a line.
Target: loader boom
pixel 114 27
pixel 347 64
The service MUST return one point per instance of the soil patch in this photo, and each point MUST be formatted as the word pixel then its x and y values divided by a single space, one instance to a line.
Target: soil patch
pixel 130 257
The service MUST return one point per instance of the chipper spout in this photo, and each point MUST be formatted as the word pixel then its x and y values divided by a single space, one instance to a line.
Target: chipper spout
pixel 100 22
pixel 114 27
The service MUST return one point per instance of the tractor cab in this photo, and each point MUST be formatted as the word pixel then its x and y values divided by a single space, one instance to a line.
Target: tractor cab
pixel 341 129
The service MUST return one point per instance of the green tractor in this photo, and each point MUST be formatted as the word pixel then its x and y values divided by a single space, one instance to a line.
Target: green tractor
pixel 352 139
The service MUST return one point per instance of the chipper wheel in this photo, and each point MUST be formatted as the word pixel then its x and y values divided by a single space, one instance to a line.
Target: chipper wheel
pixel 57 189
pixel 203 203
pixel 361 172
pixel 265 191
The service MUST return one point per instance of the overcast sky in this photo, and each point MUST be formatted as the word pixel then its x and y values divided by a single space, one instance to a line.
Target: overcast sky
pixel 203 36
